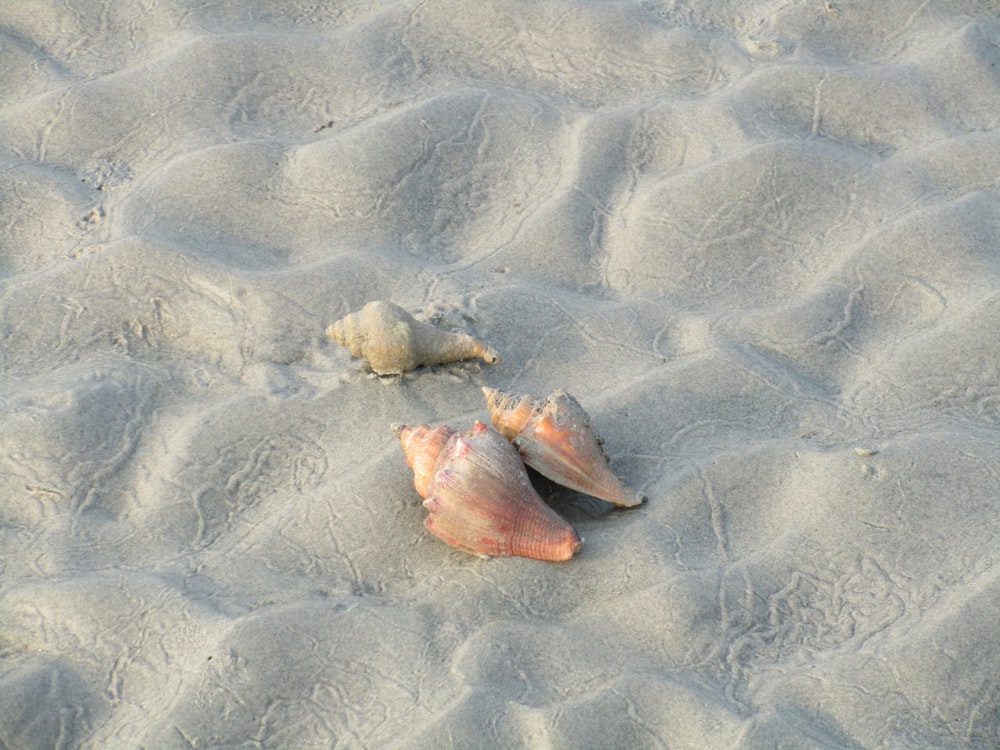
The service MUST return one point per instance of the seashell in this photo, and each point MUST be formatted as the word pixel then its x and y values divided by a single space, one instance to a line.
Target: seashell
pixel 554 438
pixel 479 496
pixel 392 341
pixel 422 446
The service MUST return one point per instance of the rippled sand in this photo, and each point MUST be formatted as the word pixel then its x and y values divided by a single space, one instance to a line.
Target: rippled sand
pixel 758 242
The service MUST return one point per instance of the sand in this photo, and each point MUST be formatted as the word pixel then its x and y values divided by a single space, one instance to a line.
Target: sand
pixel 757 241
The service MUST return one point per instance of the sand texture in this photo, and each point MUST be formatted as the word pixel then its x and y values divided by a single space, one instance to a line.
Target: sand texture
pixel 759 242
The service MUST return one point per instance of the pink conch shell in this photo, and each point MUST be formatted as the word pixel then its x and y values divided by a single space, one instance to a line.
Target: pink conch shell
pixel 392 341
pixel 422 446
pixel 479 496
pixel 554 438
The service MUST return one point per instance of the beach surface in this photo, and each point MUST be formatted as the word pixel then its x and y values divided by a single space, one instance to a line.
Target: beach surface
pixel 758 242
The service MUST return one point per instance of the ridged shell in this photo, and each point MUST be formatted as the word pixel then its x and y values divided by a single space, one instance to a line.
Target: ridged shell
pixel 392 341
pixel 479 497
pixel 554 437
pixel 422 446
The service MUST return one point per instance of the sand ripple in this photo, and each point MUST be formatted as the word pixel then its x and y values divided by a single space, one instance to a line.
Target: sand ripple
pixel 758 244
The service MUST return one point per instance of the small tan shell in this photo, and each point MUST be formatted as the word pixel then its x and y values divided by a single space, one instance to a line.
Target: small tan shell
pixel 392 341
pixel 554 438
pixel 479 496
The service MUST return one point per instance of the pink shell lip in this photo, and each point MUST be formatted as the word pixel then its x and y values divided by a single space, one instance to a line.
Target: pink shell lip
pixel 479 498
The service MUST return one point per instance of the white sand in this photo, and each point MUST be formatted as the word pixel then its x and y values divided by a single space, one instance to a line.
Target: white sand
pixel 757 241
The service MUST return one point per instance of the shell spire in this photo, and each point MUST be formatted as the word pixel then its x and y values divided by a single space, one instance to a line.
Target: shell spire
pixel 479 497
pixel 392 341
pixel 554 437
